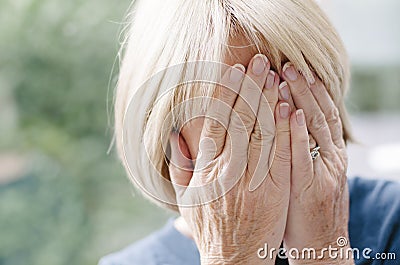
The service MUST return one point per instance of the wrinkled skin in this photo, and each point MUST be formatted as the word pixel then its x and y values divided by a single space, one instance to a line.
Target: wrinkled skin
pixel 229 230
pixel 301 202
pixel 319 199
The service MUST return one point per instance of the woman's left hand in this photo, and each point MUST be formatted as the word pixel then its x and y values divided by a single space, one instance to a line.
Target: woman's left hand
pixel 319 201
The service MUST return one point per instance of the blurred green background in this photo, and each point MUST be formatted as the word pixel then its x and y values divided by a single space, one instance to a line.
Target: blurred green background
pixel 63 199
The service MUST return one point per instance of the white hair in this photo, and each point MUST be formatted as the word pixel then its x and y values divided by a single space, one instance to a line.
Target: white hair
pixel 175 32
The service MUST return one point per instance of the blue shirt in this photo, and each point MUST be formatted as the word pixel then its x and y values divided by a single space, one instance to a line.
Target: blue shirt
pixel 374 224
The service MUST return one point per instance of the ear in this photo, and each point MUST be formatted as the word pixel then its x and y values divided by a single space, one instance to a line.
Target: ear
pixel 191 133
pixel 180 166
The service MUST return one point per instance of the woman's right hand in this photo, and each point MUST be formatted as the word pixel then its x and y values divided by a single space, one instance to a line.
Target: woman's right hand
pixel 231 159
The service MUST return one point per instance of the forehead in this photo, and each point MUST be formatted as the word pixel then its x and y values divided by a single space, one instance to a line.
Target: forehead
pixel 239 51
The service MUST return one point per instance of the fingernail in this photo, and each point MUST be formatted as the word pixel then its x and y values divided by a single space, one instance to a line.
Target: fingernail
pixel 290 72
pixel 284 110
pixel 259 64
pixel 284 91
pixel 237 73
pixel 300 117
pixel 270 80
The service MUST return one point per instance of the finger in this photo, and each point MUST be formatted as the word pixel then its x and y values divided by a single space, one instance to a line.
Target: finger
pixel 247 103
pixel 180 166
pixel 302 167
pixel 284 95
pixel 218 114
pixel 262 138
pixel 304 99
pixel 281 165
pixel 330 111
pixel 271 90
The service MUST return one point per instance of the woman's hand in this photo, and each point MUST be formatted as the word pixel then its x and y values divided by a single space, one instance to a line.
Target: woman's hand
pixel 230 229
pixel 319 200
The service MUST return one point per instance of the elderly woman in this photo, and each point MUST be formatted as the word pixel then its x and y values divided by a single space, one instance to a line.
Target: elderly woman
pixel 232 113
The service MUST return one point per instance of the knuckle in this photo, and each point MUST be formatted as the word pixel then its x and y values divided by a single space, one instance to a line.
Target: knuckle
pixel 318 122
pixel 333 116
pixel 344 158
pixel 204 178
pixel 225 93
pixel 318 88
pixel 262 135
pixel 282 155
pixel 302 141
pixel 213 128
pixel 257 135
pixel 341 168
pixel 271 99
pixel 301 89
pixel 283 130
pixel 247 117
pixel 335 123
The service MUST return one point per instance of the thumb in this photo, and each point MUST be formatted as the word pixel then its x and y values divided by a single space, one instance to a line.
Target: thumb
pixel 180 166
